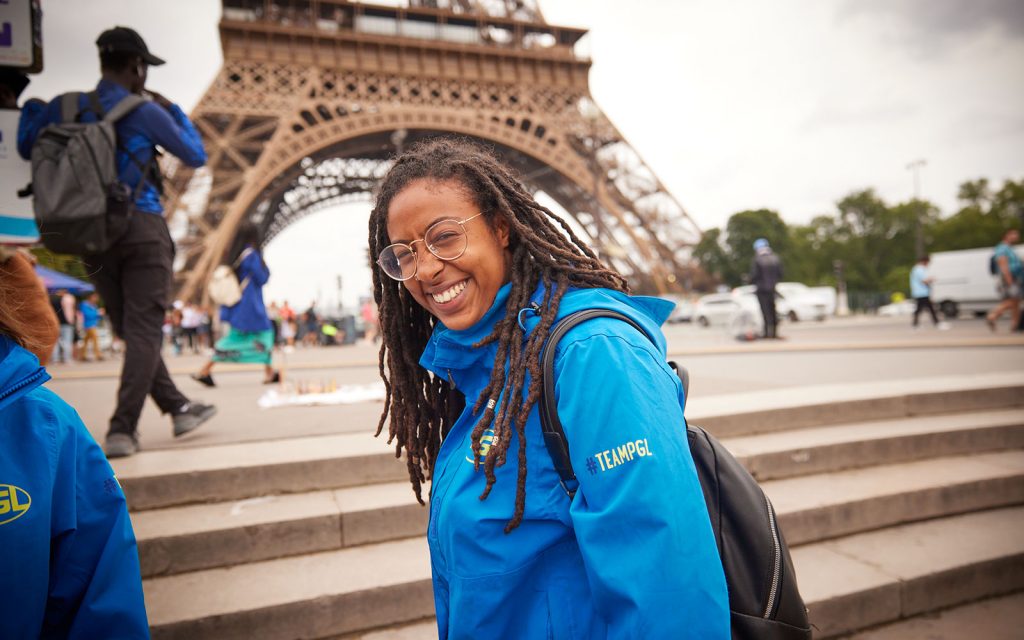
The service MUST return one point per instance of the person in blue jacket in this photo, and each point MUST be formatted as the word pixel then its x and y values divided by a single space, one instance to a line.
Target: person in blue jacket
pixel 70 562
pixel 251 336
pixel 472 274
pixel 133 276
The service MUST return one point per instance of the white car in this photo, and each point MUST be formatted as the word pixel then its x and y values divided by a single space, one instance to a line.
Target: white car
pixel 793 301
pixel 728 310
pixel 683 311
pixel 902 308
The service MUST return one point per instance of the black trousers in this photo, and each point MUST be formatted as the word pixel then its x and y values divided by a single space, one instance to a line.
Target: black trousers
pixel 771 318
pixel 925 303
pixel 134 279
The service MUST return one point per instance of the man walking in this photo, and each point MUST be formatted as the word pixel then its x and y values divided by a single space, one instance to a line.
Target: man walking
pixel 1010 275
pixel 133 276
pixel 765 273
pixel 921 291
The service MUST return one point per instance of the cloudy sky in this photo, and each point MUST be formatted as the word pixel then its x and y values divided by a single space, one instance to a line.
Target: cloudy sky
pixel 735 104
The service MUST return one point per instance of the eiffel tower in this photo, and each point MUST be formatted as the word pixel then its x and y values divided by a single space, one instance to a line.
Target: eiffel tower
pixel 315 96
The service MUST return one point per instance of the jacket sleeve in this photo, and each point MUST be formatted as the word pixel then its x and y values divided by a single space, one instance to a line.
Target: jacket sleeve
pixel 255 269
pixel 96 584
pixel 639 513
pixel 172 130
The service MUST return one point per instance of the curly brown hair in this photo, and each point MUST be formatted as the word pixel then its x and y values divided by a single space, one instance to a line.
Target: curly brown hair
pixel 544 251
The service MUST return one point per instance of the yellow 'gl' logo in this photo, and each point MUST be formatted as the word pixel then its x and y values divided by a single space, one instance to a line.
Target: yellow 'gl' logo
pixel 485 445
pixel 14 502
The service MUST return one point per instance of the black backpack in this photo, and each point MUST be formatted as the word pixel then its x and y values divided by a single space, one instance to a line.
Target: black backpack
pixel 764 600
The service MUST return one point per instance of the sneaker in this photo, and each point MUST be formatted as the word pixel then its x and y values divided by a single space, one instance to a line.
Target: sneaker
pixel 205 380
pixel 274 379
pixel 943 326
pixel 120 445
pixel 191 416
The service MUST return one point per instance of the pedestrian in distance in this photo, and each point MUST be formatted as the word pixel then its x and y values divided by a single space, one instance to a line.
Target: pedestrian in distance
pixel 471 274
pixel 65 307
pixel 133 275
pixel 89 314
pixel 921 291
pixel 765 274
pixel 1009 274
pixel 250 338
pixel 72 566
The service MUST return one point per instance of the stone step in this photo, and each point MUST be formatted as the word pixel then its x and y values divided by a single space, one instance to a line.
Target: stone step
pixel 869 579
pixel 818 507
pixel 311 596
pixel 187 538
pixel 754 412
pixel 823 449
pixel 810 508
pixel 169 477
pixel 990 619
pixel 849 583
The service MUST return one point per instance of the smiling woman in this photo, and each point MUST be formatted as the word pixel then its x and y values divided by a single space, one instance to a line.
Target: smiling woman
pixel 472 275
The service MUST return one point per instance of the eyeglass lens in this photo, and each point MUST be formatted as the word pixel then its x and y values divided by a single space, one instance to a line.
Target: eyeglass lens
pixel 445 239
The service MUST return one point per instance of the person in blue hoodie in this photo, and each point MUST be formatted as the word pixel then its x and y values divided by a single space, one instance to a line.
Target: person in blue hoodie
pixel 71 564
pixel 251 336
pixel 472 274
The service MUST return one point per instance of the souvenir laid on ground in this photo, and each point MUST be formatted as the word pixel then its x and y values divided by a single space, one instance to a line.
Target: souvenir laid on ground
pixel 321 393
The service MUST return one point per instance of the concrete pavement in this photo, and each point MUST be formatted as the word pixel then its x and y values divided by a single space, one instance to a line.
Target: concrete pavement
pixel 838 351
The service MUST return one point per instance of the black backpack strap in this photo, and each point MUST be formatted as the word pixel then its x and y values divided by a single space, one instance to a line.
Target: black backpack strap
pixel 94 104
pixel 551 426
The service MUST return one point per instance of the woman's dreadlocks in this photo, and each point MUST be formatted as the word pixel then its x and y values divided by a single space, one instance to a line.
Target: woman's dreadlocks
pixel 544 250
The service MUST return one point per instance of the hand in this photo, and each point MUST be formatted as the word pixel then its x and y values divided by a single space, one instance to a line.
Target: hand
pixel 159 99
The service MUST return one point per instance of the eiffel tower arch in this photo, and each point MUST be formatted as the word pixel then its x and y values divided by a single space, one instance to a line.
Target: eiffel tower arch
pixel 315 96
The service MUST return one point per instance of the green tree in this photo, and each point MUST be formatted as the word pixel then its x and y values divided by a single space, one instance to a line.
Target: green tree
pixel 744 228
pixel 712 254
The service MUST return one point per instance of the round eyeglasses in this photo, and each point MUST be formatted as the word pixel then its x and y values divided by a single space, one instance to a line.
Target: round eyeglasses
pixel 446 239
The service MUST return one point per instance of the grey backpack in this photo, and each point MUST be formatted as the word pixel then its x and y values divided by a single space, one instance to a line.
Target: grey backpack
pixel 81 206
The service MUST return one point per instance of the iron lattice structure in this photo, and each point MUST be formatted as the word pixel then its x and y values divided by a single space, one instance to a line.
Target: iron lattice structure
pixel 315 96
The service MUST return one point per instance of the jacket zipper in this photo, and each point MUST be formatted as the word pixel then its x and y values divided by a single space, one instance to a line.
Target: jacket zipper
pixel 777 565
pixel 25 382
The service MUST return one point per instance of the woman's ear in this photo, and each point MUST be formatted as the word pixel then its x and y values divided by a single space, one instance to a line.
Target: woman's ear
pixel 502 230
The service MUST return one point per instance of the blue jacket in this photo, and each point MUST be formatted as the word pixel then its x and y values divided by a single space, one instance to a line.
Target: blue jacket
pixel 137 132
pixel 70 562
pixel 633 554
pixel 249 313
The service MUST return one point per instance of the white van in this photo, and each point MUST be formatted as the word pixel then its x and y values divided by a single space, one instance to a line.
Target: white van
pixel 963 282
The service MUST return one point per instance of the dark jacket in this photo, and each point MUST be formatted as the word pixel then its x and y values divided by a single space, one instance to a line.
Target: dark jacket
pixel 765 271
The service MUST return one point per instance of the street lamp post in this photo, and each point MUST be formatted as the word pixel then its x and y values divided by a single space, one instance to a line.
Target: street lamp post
pixel 915 167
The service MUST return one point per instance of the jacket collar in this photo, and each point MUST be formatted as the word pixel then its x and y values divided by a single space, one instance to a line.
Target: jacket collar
pixel 20 371
pixel 449 350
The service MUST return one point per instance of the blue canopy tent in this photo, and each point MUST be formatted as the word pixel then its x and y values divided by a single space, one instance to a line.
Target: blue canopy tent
pixel 55 281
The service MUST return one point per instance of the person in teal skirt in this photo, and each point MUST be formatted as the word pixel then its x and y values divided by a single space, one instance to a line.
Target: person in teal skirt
pixel 250 339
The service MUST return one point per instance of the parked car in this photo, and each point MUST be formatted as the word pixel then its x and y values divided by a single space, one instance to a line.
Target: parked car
pixel 683 311
pixel 963 282
pixel 724 309
pixel 793 301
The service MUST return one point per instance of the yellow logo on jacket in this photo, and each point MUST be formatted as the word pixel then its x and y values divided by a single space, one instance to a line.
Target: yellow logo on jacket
pixel 14 502
pixel 486 440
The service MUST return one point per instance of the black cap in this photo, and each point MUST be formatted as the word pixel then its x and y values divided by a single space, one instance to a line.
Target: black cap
pixel 14 80
pixel 127 40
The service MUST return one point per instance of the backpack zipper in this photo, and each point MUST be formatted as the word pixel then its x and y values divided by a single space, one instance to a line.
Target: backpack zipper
pixel 777 565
